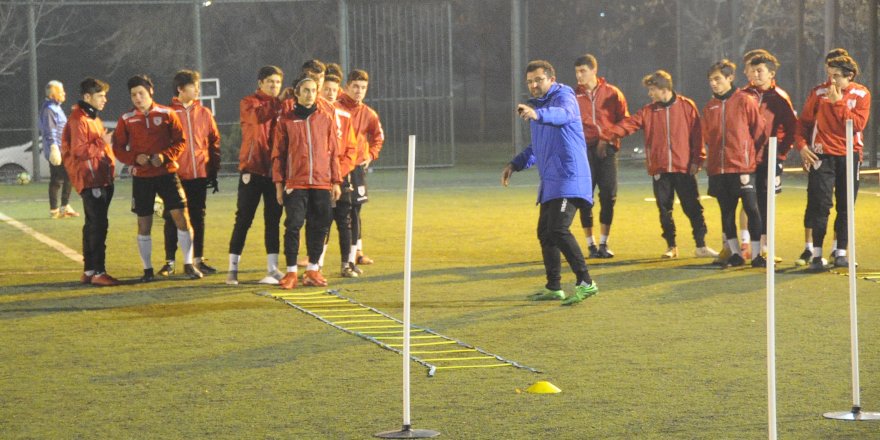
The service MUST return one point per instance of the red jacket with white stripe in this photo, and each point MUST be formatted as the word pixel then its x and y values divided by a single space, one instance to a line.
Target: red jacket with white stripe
pixel 600 109
pixel 779 117
pixel 89 160
pixel 258 114
pixel 733 131
pixel 368 133
pixel 822 124
pixel 157 132
pixel 304 151
pixel 673 136
pixel 201 157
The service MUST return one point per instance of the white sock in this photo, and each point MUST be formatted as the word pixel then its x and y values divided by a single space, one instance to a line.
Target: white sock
pixel 321 260
pixel 184 239
pixel 591 241
pixel 809 246
pixel 271 263
pixel 197 260
pixel 817 252
pixel 756 248
pixel 311 266
pixel 352 256
pixel 833 244
pixel 89 273
pixel 744 234
pixel 724 244
pixel 145 249
pixel 291 269
pixel 603 239
pixel 233 262
pixel 733 244
pixel 360 245
pixel 841 252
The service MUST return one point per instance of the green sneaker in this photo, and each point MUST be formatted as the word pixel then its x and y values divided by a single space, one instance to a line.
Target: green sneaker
pixel 547 295
pixel 581 292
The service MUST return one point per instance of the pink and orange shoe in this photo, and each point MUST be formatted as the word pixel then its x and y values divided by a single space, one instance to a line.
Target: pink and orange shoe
pixel 314 278
pixel 104 280
pixel 289 281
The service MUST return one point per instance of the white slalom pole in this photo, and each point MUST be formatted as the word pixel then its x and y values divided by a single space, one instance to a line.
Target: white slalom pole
pixel 407 431
pixel 771 289
pixel 856 413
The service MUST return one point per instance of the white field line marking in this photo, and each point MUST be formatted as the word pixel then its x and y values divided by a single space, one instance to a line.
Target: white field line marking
pixel 60 247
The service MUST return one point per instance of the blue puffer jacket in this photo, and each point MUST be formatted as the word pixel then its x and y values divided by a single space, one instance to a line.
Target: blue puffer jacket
pixel 52 121
pixel 558 147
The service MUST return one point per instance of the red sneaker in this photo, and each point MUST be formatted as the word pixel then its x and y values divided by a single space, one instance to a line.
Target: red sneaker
pixel 745 249
pixel 104 279
pixel 314 278
pixel 289 281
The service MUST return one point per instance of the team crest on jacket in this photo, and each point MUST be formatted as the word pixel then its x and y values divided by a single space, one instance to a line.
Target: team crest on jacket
pixel 157 120
pixel 362 190
pixel 246 178
pixel 744 179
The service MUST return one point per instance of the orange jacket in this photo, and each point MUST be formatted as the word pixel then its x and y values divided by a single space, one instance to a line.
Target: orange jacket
pixel 304 151
pixel 733 131
pixel 89 160
pixel 347 152
pixel 368 133
pixel 824 123
pixel 673 136
pixel 258 114
pixel 201 158
pixel 157 132
pixel 600 109
pixel 779 118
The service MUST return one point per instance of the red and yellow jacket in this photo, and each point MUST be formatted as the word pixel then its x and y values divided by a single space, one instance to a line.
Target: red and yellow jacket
pixel 304 151
pixel 368 134
pixel 157 132
pixel 824 123
pixel 258 114
pixel 201 157
pixel 600 109
pixel 347 152
pixel 733 131
pixel 89 160
pixel 779 117
pixel 673 136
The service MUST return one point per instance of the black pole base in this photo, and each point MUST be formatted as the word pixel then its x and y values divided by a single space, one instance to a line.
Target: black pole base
pixel 854 415
pixel 408 432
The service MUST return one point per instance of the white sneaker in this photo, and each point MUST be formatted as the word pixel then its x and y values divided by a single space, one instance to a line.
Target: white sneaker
pixel 272 278
pixel 671 252
pixel 705 252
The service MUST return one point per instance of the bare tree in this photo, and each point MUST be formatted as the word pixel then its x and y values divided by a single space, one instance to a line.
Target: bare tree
pixel 53 28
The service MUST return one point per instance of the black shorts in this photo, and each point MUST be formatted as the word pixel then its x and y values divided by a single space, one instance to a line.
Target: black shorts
pixel 358 178
pixel 145 189
pixel 731 185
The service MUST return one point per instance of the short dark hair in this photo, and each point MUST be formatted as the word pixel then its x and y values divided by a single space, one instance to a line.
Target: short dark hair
pixel 541 64
pixel 91 86
pixel 586 60
pixel 660 79
pixel 358 75
pixel 725 66
pixel 846 64
pixel 837 52
pixel 753 53
pixel 314 66
pixel 334 69
pixel 329 77
pixel 141 80
pixel 302 78
pixel 766 59
pixel 267 71
pixel 184 78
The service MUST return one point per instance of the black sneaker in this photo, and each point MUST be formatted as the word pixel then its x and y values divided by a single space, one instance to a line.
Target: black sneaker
pixel 735 260
pixel 594 251
pixel 148 276
pixel 759 261
pixel 191 272
pixel 167 270
pixel 604 252
pixel 816 265
pixel 204 268
pixel 841 261
pixel 355 269
pixel 804 258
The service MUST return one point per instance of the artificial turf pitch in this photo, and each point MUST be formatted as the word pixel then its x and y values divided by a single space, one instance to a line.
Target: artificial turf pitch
pixel 666 350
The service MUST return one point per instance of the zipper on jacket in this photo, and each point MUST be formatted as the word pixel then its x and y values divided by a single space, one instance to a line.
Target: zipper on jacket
pixel 147 118
pixel 593 102
pixel 309 139
pixel 723 132
pixel 668 142
pixel 91 170
pixel 192 140
pixel 250 151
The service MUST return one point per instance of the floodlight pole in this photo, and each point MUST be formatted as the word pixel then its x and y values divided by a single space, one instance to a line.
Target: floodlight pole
pixel 197 36
pixel 771 289
pixel 406 431
pixel 36 146
pixel 856 412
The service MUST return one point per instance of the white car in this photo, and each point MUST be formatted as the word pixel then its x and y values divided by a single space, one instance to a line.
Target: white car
pixel 19 158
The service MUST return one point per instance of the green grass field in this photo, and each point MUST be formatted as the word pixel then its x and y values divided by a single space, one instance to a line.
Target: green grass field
pixel 666 350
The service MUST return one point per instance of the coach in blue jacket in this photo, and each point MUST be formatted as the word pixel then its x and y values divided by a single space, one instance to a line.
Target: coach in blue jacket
pixel 557 148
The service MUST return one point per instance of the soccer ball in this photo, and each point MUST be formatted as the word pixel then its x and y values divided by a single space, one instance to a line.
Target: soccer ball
pixel 158 206
pixel 23 178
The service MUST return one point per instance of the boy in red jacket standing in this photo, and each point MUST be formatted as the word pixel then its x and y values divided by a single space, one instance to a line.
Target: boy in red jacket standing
pixel 673 155
pixel 89 161
pixel 150 138
pixel 199 165
pixel 305 169
pixel 733 131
